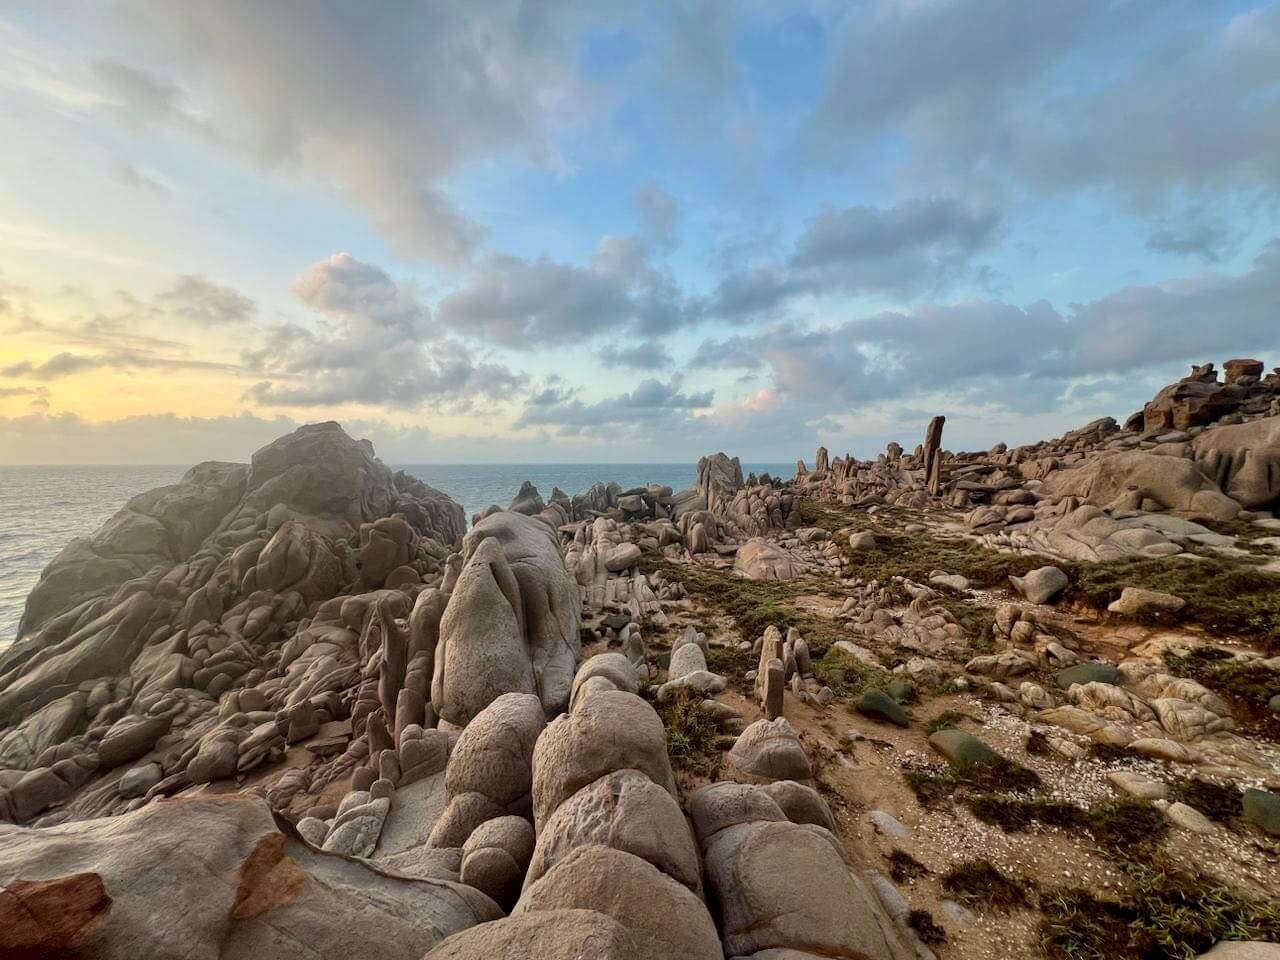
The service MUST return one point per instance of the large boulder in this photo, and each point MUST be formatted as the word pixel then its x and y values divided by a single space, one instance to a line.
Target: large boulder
pixel 760 559
pixel 664 916
pixel 214 879
pixel 512 623
pixel 161 526
pixel 761 869
pixel 546 935
pixel 1173 483
pixel 1244 460
pixel 718 479
pixel 624 810
pixel 609 731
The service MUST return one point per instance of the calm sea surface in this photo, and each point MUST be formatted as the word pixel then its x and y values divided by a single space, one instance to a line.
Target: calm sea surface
pixel 41 508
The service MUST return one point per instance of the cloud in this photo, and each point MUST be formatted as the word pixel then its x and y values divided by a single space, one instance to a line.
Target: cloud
pixel 374 352
pixel 389 101
pixel 659 214
pixel 68 364
pixel 1018 99
pixel 918 246
pixel 532 304
pixel 132 176
pixel 636 411
pixel 643 356
pixel 1021 357
pixel 343 286
pixel 1208 239
pixel 207 304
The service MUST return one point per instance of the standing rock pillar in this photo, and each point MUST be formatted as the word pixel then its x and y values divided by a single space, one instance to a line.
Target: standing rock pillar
pixel 933 455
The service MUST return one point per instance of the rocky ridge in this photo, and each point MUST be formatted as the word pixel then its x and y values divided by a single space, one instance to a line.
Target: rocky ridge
pixel 610 723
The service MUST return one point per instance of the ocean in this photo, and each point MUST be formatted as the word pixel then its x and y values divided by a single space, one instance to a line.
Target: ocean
pixel 41 508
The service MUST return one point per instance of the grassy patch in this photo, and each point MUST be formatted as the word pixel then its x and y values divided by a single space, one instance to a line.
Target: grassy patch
pixel 917 555
pixel 984 778
pixel 1246 685
pixel 978 882
pixel 732 664
pixel 756 605
pixel 1121 827
pixel 903 866
pixel 693 736
pixel 846 675
pixel 1227 596
pixel 1164 914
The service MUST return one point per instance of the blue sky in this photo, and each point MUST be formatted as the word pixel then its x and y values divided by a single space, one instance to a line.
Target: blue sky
pixel 513 232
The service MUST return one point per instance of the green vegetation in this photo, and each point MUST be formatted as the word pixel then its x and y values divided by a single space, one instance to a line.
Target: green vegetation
pixel 1227 596
pixel 978 882
pixel 846 675
pixel 995 775
pixel 693 736
pixel 917 555
pixel 1164 914
pixel 1120 826
pixel 755 604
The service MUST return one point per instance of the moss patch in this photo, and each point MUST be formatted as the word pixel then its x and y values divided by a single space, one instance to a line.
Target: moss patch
pixel 756 605
pixel 846 675
pixel 1163 914
pixel 978 882
pixel 1227 596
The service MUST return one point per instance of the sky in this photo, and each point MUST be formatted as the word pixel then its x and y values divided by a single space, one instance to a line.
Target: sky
pixel 591 232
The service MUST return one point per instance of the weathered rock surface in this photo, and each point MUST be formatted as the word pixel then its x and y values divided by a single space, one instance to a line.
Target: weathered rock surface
pixel 215 878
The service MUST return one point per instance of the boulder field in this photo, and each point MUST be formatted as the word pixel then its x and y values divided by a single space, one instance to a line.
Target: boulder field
pixel 304 708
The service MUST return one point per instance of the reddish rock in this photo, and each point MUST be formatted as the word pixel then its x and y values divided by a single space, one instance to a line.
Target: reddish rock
pixel 41 918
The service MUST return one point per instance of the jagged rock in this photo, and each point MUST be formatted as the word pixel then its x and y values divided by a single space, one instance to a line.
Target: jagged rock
pixel 718 479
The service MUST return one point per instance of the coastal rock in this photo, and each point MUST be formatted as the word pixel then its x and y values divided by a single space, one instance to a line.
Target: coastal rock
pixel 512 623
pixel 760 559
pixel 256 893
